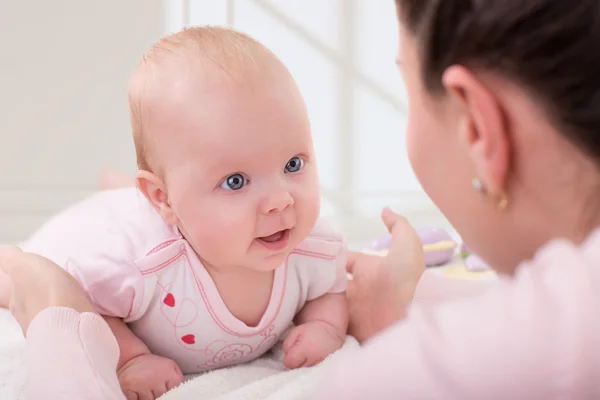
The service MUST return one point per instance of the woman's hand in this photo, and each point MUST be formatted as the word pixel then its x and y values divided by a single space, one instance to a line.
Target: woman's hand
pixel 38 283
pixel 383 287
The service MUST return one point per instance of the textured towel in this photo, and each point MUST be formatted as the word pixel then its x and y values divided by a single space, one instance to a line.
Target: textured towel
pixel 265 378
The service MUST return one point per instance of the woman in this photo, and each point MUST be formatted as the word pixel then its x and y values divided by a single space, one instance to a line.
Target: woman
pixel 503 134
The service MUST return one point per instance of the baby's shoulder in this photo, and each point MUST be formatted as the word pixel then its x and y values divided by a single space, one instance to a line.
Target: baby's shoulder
pixel 114 221
pixel 320 261
pixel 324 241
pixel 325 231
pixel 131 214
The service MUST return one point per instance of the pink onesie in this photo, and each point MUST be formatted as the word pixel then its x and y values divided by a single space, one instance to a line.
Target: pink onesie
pixel 136 267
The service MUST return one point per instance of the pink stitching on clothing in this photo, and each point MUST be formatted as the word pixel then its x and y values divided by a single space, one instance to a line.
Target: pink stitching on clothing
pixel 165 290
pixel 162 265
pixel 143 295
pixel 216 318
pixel 326 239
pixel 232 353
pixel 267 335
pixel 188 338
pixel 313 254
pixel 162 246
pixel 179 313
pixel 208 351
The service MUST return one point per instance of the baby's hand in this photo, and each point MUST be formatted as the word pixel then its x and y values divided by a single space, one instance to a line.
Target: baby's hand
pixel 148 376
pixel 308 344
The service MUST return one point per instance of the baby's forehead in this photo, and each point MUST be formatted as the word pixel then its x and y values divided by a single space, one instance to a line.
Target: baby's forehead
pixel 178 72
pixel 182 72
pixel 265 153
pixel 219 53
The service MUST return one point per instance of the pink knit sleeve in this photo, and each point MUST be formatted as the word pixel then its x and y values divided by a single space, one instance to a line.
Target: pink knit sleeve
pixel 531 337
pixel 72 356
pixel 434 288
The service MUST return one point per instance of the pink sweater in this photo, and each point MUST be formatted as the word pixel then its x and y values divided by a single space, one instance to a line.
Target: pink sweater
pixel 531 337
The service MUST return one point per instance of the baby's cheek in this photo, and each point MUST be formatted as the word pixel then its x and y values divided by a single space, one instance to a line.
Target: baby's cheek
pixel 307 212
pixel 222 234
pixel 217 246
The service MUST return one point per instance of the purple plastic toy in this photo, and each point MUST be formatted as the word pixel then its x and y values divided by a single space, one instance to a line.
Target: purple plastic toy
pixel 472 261
pixel 381 243
pixel 431 236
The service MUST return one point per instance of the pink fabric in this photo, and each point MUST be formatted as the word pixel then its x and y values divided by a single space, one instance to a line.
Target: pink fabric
pixel 531 337
pixel 134 266
pixel 71 356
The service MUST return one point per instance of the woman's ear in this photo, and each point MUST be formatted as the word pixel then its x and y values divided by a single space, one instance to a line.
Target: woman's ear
pixel 483 127
pixel 154 190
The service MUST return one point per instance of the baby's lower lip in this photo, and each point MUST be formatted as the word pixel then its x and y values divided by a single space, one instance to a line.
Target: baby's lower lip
pixel 277 241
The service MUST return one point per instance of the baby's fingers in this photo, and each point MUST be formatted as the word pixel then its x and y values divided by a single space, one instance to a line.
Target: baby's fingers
pixel 295 357
pixel 291 339
pixel 351 261
pixel 131 395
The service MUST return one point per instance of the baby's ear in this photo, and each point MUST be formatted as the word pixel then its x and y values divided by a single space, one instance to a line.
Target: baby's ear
pixel 154 189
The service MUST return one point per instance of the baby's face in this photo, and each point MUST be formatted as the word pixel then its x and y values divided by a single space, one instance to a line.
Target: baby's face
pixel 242 176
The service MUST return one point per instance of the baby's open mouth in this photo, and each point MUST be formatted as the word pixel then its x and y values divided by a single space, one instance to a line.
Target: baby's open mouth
pixel 274 237
pixel 275 241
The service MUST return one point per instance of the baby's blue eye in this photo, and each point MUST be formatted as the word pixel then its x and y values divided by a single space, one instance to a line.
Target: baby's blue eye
pixel 234 182
pixel 294 165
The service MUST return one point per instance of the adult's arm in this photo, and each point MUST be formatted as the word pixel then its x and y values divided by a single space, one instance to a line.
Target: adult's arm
pixel 436 288
pixel 530 337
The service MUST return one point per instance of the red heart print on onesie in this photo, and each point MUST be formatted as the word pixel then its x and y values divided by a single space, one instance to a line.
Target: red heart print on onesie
pixel 189 339
pixel 169 300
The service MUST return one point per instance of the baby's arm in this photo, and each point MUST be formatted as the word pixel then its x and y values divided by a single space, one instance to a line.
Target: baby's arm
pixel 322 322
pixel 321 330
pixel 330 309
pixel 139 371
pixel 97 247
pixel 130 346
pixel 115 288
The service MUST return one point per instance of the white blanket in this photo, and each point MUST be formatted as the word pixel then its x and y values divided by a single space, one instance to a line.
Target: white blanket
pixel 265 378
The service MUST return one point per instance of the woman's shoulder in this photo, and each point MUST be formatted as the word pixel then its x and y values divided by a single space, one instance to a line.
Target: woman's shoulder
pixel 566 259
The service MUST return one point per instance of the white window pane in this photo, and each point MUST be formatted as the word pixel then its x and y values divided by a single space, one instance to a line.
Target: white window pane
pixel 316 75
pixel 207 12
pixel 318 18
pixel 382 164
pixel 174 15
pixel 377 43
pixel 328 208
pixel 408 202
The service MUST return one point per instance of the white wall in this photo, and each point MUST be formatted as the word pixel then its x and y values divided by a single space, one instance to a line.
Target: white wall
pixel 64 66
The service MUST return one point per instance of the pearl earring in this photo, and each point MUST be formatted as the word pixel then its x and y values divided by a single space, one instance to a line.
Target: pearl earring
pixel 478 185
pixel 501 199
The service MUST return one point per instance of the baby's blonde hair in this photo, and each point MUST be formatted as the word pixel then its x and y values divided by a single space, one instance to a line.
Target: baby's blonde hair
pixel 233 53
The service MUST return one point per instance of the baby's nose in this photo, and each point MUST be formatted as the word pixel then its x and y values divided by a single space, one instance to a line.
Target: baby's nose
pixel 277 202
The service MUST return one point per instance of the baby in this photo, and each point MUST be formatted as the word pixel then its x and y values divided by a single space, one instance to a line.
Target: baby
pixel 219 249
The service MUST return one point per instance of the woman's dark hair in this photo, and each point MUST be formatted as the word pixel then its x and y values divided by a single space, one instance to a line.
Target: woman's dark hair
pixel 551 47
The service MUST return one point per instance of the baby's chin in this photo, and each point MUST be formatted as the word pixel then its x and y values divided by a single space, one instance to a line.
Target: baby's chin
pixel 271 263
